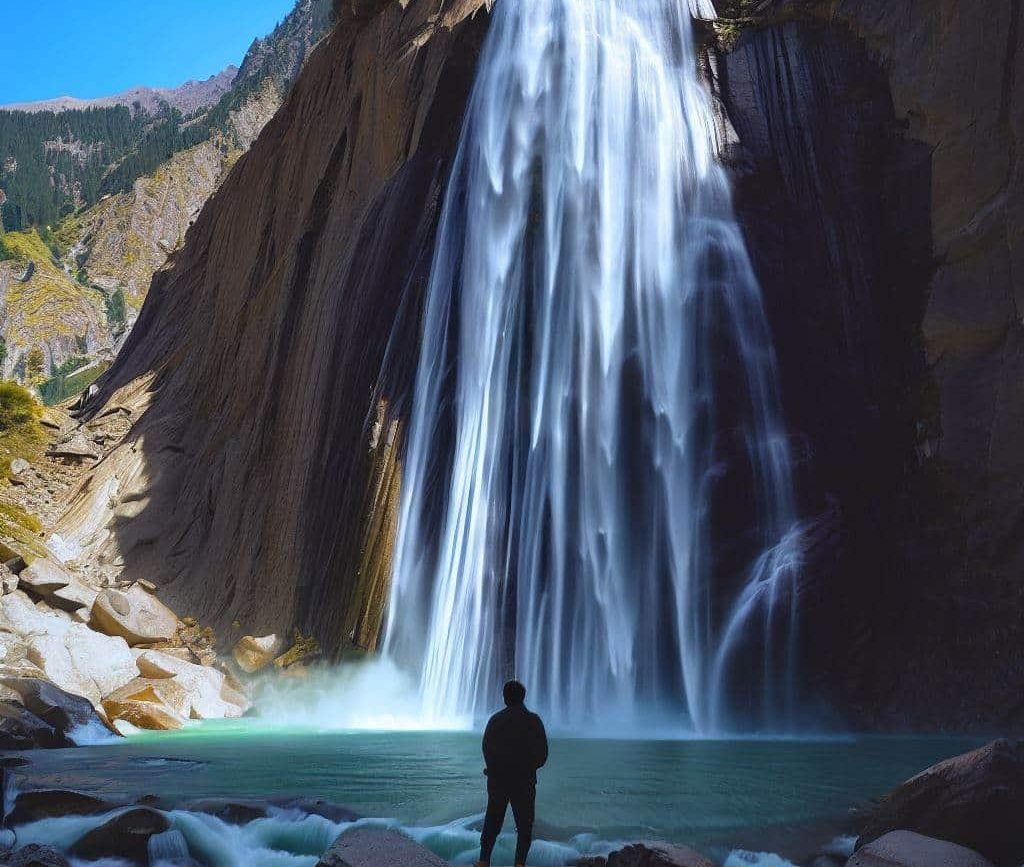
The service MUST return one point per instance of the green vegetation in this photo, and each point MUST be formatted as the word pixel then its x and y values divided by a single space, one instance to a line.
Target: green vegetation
pixel 17 408
pixel 62 386
pixel 117 310
pixel 53 164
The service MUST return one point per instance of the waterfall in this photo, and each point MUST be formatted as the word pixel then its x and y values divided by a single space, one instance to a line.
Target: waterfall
pixel 597 492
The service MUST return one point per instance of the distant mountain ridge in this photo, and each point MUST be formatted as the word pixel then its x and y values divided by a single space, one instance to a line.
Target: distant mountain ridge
pixel 186 98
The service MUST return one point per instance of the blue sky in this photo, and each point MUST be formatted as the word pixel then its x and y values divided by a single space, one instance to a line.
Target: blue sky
pixel 90 48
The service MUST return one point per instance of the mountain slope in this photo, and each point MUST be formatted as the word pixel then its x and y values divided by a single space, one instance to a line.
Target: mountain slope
pixel 113 247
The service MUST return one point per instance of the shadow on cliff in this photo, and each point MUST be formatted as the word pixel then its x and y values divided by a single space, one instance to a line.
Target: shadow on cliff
pixel 271 425
pixel 836 204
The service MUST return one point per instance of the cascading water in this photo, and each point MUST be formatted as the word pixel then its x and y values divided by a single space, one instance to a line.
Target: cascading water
pixel 596 380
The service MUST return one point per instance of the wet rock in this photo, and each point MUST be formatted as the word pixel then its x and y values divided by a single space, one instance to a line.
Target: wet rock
pixel 302 650
pixel 20 729
pixel 67 713
pixel 232 811
pixel 253 654
pixel 44 577
pixel 47 803
pixel 650 855
pixel 317 807
pixel 372 847
pixel 907 849
pixel 34 856
pixel 209 694
pixel 133 614
pixel 125 836
pixel 975 800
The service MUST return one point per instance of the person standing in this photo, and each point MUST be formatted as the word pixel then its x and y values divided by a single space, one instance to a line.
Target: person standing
pixel 515 747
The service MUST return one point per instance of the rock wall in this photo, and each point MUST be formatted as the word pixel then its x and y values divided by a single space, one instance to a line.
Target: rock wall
pixel 879 182
pixel 273 337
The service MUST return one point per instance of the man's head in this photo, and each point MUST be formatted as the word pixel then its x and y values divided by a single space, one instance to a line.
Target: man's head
pixel 514 692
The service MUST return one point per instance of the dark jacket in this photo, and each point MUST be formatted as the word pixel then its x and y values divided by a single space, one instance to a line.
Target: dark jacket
pixel 515 745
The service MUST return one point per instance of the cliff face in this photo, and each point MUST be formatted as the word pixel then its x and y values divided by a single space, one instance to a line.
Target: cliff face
pixel 269 363
pixel 879 181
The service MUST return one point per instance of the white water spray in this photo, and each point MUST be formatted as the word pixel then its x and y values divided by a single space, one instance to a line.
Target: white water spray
pixel 596 374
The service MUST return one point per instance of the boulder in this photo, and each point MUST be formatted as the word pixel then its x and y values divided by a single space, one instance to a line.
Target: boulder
pixel 76 658
pixel 19 466
pixel 134 615
pixel 75 448
pixel 975 800
pixel 65 713
pixel 82 661
pixel 650 854
pixel 907 849
pixel 372 847
pixel 253 653
pixel 44 576
pixel 125 836
pixel 209 694
pixel 74 596
pixel 34 856
pixel 234 811
pixel 157 704
pixel 20 729
pixel 335 813
pixel 48 803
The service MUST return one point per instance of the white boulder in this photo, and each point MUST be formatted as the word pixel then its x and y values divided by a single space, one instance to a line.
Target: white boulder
pixel 134 615
pixel 209 694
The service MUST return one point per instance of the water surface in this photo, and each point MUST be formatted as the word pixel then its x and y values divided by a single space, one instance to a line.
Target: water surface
pixel 718 795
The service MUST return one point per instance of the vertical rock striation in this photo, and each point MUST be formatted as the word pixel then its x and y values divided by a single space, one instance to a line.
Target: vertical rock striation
pixel 879 180
pixel 274 336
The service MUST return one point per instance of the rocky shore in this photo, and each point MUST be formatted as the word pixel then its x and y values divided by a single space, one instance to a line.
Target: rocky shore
pixel 962 812
pixel 84 652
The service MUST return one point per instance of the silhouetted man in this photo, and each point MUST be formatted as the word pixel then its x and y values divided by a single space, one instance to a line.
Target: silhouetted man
pixel 515 746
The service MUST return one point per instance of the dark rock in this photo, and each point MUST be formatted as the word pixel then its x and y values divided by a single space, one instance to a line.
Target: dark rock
pixel 374 847
pixel 45 803
pixel 230 810
pixel 125 836
pixel 650 855
pixel 20 729
pixel 907 849
pixel 34 856
pixel 975 800
pixel 317 807
pixel 60 710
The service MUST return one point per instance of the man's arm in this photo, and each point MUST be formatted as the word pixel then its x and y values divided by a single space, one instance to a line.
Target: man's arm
pixel 540 747
pixel 488 743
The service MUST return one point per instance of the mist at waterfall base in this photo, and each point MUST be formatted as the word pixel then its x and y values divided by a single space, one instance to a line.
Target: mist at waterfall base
pixel 597 493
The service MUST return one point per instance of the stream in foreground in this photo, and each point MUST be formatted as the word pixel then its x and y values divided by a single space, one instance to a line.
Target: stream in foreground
pixel 717 795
